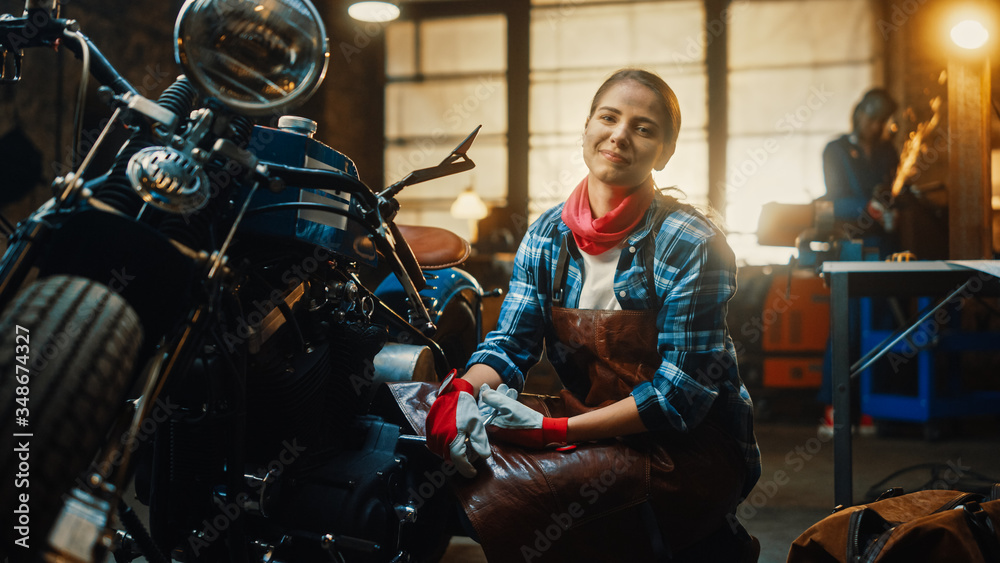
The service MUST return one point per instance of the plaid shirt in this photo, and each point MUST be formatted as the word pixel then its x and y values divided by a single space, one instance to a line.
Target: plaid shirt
pixel 687 271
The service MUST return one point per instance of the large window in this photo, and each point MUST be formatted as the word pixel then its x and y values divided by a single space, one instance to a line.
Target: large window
pixel 573 49
pixel 795 68
pixel 795 71
pixel 446 76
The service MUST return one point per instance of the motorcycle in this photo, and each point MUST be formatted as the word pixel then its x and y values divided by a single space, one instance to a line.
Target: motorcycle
pixel 208 321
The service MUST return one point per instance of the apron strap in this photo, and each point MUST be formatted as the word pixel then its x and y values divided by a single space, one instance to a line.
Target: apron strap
pixel 562 270
pixel 566 247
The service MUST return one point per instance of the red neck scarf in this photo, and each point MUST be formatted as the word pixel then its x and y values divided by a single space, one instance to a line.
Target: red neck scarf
pixel 595 236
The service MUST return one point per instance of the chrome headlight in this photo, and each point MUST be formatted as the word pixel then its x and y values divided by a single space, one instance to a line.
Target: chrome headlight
pixel 257 57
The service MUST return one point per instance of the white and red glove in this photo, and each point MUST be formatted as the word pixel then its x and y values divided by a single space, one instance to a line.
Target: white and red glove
pixel 518 424
pixel 886 216
pixel 453 425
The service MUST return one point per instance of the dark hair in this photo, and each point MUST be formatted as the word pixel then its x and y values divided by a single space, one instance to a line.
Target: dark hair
pixel 876 103
pixel 652 81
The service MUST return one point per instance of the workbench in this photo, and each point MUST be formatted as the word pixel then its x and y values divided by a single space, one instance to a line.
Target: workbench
pixel 948 282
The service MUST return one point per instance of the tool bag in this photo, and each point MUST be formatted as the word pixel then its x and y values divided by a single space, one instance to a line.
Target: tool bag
pixel 926 526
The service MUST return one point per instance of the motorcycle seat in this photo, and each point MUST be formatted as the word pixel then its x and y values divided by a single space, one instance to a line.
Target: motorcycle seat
pixel 435 248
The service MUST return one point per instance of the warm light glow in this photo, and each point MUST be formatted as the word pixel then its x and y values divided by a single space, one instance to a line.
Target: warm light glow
pixel 969 34
pixel 374 11
pixel 468 205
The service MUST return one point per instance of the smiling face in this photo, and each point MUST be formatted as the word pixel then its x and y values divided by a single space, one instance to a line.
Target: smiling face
pixel 625 138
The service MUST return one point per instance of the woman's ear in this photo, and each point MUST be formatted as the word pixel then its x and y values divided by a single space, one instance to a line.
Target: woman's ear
pixel 665 154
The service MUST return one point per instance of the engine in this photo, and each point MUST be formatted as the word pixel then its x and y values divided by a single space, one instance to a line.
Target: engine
pixel 318 476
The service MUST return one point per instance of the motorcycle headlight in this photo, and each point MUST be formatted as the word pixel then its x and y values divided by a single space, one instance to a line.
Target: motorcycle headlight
pixel 257 57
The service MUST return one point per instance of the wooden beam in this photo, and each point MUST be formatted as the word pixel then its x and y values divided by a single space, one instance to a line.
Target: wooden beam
pixel 717 62
pixel 969 185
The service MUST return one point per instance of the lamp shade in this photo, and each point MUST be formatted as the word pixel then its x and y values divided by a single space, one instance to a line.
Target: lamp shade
pixel 468 205
pixel 374 11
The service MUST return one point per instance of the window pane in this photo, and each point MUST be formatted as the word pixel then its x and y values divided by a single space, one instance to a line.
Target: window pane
pixel 460 45
pixel 644 33
pixel 561 101
pixel 781 33
pixel 783 102
pixel 569 64
pixel 453 106
pixel 688 169
pixel 556 167
pixel 765 169
pixel 796 69
pixel 566 7
pixel 489 177
pixel 400 50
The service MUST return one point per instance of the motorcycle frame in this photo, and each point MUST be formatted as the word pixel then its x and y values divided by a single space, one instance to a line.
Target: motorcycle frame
pixel 176 351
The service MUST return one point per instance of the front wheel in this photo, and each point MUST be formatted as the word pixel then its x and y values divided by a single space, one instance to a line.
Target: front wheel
pixel 67 348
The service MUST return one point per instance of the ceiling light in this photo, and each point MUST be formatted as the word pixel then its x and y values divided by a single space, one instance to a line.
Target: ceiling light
pixel 969 34
pixel 374 11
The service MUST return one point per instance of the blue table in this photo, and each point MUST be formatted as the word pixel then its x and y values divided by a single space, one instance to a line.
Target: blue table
pixel 948 280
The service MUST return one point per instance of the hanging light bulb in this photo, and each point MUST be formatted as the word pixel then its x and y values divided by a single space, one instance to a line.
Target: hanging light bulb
pixel 970 34
pixel 378 12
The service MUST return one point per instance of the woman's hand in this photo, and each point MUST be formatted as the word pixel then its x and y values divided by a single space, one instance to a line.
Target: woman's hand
pixel 518 424
pixel 453 418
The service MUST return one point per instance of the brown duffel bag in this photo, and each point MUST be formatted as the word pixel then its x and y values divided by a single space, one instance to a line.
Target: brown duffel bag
pixel 925 526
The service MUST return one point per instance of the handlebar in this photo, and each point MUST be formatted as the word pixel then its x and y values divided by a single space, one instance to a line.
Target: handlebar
pixel 38 28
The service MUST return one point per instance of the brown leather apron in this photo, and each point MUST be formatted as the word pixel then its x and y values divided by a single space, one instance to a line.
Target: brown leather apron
pixel 637 498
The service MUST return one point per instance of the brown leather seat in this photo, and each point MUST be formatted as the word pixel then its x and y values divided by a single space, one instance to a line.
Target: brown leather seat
pixel 435 248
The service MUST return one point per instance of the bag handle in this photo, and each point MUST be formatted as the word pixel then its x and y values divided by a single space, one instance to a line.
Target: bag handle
pixel 864 530
pixel 983 530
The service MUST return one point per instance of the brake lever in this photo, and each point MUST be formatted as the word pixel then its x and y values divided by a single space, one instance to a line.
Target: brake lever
pixel 16 55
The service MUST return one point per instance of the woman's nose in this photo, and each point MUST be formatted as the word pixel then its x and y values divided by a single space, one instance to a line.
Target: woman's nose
pixel 619 135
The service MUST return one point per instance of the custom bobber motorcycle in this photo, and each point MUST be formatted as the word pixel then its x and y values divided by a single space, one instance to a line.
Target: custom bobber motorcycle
pixel 208 320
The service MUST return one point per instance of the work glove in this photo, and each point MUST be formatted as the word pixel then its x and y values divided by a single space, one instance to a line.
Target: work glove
pixel 885 215
pixel 486 411
pixel 453 425
pixel 518 424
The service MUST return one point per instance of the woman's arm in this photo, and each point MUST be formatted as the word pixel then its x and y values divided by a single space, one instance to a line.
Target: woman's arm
pixel 616 419
pixel 479 374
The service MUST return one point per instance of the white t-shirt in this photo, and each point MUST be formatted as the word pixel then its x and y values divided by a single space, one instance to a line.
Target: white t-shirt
pixel 598 290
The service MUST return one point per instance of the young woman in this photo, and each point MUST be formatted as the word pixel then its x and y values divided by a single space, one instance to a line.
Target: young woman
pixel 650 447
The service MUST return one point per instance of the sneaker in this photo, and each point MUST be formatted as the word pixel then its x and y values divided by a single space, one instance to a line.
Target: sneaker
pixel 825 430
pixel 866 428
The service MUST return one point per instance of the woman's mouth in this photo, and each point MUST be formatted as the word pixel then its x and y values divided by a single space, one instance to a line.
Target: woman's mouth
pixel 614 157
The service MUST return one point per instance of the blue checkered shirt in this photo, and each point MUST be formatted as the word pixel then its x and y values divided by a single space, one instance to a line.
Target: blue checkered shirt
pixel 687 271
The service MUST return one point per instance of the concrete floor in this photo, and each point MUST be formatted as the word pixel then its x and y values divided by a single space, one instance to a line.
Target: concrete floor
pixel 796 486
